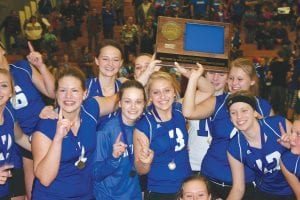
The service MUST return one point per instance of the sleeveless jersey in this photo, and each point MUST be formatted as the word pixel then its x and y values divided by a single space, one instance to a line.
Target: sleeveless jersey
pixel 265 161
pixel 222 130
pixel 292 163
pixel 7 144
pixel 168 140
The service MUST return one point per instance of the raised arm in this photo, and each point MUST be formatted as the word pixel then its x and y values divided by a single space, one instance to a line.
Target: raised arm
pixel 106 104
pixel 238 178
pixel 143 155
pixel 41 76
pixel 152 67
pixel 47 153
pixel 108 156
pixel 201 105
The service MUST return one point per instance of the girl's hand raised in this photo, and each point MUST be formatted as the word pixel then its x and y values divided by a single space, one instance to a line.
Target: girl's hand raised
pixel 119 147
pixel 284 140
pixel 146 154
pixel 63 125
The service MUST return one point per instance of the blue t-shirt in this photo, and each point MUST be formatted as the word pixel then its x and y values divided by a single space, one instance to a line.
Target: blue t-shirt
pixel 94 89
pixel 7 144
pixel 291 163
pixel 222 130
pixel 71 182
pixel 265 161
pixel 112 179
pixel 169 142
pixel 28 103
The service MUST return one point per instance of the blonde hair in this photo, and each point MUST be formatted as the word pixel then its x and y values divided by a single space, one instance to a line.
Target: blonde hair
pixel 160 75
pixel 247 66
pixel 11 81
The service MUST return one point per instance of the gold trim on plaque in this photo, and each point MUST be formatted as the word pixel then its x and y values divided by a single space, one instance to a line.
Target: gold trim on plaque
pixel 171 30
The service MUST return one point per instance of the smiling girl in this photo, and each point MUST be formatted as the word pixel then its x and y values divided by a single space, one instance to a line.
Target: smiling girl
pixel 10 132
pixel 160 140
pixel 63 148
pixel 242 76
pixel 290 161
pixel 258 145
pixel 114 173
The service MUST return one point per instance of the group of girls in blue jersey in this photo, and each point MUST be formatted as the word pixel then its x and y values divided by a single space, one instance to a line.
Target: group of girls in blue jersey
pixel 10 132
pixel 31 77
pixel 243 159
pixel 80 154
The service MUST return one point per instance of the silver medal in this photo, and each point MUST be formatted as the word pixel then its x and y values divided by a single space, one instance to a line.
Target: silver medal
pixel 172 165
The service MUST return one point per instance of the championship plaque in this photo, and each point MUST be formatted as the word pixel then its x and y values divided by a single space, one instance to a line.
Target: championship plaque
pixel 189 41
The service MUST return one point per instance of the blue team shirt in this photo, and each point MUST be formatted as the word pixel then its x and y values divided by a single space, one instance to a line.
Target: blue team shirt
pixel 29 103
pixel 265 161
pixel 169 142
pixel 222 130
pixel 111 175
pixel 7 144
pixel 94 89
pixel 291 163
pixel 71 182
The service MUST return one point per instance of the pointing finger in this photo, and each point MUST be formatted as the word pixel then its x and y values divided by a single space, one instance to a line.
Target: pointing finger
pixel 118 139
pixel 282 131
pixel 60 115
pixel 31 49
pixel 153 56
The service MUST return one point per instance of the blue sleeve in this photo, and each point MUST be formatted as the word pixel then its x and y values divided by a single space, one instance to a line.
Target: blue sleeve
pixel 105 164
pixel 92 106
pixel 47 127
pixel 264 107
pixel 144 125
pixel 24 64
pixel 235 147
pixel 291 163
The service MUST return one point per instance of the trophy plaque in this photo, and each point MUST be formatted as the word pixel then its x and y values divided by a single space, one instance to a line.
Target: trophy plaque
pixel 189 41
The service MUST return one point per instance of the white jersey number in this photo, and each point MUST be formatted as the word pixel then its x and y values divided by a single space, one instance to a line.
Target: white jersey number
pixel 179 139
pixel 273 162
pixel 20 99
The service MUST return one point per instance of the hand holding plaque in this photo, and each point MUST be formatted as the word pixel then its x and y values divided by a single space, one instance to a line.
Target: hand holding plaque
pixel 190 41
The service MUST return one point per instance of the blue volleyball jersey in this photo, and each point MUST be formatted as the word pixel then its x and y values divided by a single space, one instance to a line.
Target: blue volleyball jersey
pixel 291 163
pixel 222 130
pixel 111 175
pixel 6 144
pixel 94 89
pixel 169 141
pixel 28 101
pixel 71 182
pixel 265 161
